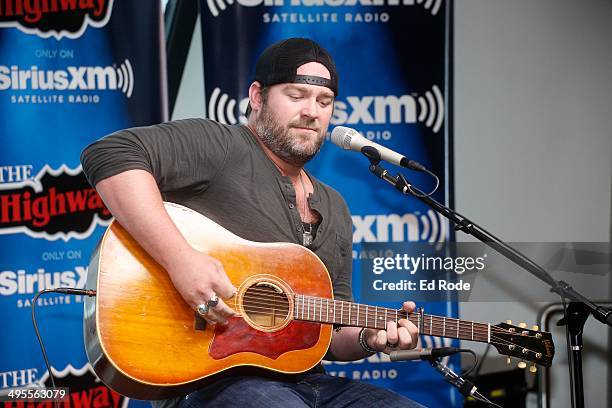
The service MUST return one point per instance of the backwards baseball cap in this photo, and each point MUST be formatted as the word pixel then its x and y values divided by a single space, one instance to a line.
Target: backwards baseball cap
pixel 279 62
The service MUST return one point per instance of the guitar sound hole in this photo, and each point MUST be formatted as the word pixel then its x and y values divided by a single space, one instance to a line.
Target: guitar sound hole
pixel 265 305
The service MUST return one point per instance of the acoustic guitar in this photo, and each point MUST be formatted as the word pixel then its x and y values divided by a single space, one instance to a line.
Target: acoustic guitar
pixel 145 342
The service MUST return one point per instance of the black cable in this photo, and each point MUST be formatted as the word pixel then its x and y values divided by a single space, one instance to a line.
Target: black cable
pixel 480 363
pixel 465 373
pixel 416 191
pixel 486 401
pixel 68 291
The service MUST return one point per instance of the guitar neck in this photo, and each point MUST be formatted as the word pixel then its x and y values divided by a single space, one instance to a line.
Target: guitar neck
pixel 344 313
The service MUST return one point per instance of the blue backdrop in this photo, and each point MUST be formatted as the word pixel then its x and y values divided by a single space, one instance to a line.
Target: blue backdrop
pixel 67 77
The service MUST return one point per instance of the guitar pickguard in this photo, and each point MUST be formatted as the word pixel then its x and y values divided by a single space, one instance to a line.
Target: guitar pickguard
pixel 239 337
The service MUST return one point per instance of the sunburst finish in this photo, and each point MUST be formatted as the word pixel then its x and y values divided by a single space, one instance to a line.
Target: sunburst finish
pixel 143 336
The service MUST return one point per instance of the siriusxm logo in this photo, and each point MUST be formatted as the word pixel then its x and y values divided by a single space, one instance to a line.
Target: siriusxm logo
pixel 216 6
pixel 427 109
pixel 391 109
pixel 428 227
pixel 222 108
pixel 22 282
pixel 72 78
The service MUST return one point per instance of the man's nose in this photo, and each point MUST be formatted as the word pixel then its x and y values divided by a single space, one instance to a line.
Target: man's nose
pixel 310 108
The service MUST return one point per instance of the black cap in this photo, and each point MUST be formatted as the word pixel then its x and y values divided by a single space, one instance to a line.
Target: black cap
pixel 279 63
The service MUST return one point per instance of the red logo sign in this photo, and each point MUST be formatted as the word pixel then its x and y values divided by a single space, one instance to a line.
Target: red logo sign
pixel 55 204
pixel 58 18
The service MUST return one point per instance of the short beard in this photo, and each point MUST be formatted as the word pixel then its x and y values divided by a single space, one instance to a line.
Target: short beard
pixel 277 138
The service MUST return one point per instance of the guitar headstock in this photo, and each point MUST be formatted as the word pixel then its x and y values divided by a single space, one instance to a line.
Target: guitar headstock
pixel 526 344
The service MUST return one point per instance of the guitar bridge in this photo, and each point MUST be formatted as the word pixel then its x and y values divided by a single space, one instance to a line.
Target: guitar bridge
pixel 199 322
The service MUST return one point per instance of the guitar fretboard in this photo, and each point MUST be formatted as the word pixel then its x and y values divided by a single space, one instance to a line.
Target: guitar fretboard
pixel 344 313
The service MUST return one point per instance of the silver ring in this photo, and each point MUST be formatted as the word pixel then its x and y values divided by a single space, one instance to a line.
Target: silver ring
pixel 202 309
pixel 214 301
pixel 392 346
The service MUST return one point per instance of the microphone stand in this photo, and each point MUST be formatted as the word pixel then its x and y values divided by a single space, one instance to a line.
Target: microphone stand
pixel 580 307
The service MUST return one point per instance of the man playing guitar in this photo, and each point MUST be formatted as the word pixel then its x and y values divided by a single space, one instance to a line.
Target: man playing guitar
pixel 251 180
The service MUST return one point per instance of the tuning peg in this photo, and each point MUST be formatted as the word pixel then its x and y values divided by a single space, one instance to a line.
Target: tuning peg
pixel 521 364
pixel 522 325
pixel 508 361
pixel 533 369
pixel 535 327
pixel 509 321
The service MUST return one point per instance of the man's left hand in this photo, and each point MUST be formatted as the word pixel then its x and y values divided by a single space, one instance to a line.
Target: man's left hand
pixel 402 335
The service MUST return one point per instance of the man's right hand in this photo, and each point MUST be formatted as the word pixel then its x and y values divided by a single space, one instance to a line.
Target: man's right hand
pixel 135 200
pixel 198 277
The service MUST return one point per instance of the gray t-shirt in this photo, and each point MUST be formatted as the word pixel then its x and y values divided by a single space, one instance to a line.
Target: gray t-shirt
pixel 222 172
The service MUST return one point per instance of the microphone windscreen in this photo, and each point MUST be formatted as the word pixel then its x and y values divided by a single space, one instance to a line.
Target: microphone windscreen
pixel 341 137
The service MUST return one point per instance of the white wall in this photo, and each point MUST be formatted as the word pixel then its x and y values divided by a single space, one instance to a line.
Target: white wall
pixel 533 107
pixel 533 138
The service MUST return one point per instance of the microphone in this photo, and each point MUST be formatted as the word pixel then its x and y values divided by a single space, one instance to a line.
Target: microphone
pixel 422 354
pixel 350 139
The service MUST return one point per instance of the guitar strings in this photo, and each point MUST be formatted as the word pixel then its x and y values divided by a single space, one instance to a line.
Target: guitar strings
pixel 270 294
pixel 446 321
pixel 475 329
pixel 437 324
pixel 494 339
pixel 312 301
pixel 308 300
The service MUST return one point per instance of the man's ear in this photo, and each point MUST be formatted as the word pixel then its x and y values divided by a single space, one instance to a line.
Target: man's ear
pixel 255 97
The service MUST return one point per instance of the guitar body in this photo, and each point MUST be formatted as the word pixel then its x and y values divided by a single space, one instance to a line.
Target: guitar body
pixel 145 342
